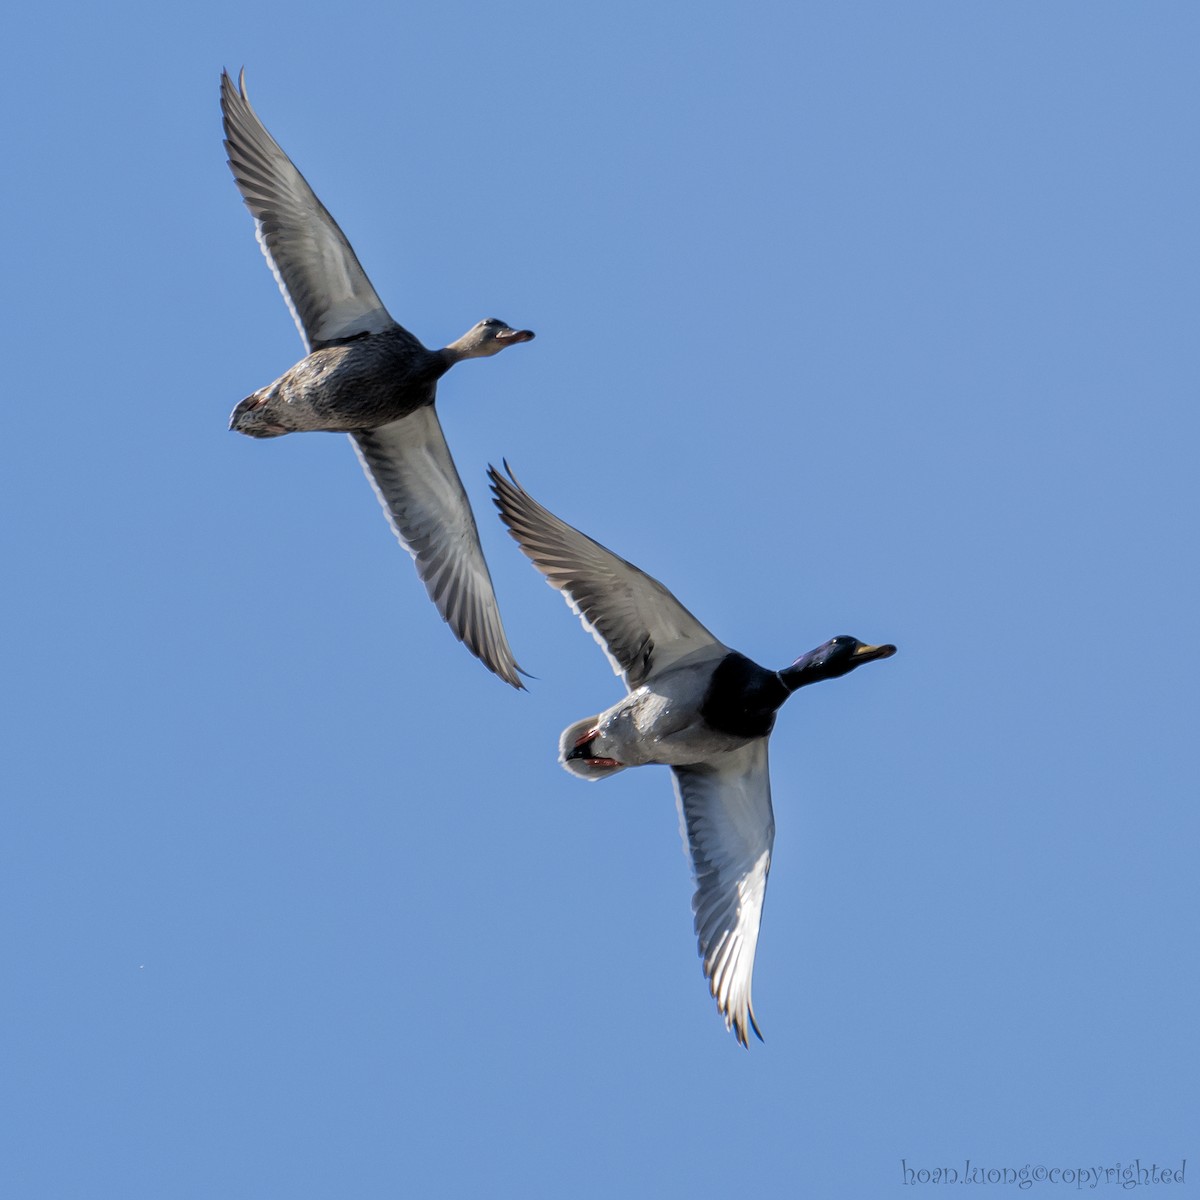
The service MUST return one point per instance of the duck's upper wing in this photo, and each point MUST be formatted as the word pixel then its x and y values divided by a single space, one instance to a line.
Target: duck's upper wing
pixel 410 468
pixel 325 287
pixel 640 626
pixel 728 829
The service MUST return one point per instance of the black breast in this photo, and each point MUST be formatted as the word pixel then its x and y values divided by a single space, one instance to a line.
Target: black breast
pixel 742 698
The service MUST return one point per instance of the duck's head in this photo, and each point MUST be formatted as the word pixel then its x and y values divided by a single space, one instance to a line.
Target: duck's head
pixel 838 656
pixel 487 338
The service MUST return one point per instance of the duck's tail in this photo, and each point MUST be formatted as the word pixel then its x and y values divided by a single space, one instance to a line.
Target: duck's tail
pixel 578 753
pixel 255 416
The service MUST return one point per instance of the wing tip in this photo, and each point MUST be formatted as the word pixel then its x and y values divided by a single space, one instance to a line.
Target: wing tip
pixel 516 681
pixel 230 91
pixel 496 655
pixel 506 493
pixel 736 1023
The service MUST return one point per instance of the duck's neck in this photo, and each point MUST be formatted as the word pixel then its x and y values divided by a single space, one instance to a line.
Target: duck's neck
pixel 800 674
pixel 467 346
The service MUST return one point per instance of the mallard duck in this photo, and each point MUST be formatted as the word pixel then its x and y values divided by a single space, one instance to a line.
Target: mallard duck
pixel 365 375
pixel 694 705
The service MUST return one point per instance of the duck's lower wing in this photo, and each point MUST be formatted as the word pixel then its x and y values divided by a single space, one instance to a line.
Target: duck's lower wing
pixel 728 829
pixel 410 468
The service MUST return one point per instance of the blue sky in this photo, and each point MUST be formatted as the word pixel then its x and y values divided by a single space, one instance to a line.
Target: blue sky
pixel 871 318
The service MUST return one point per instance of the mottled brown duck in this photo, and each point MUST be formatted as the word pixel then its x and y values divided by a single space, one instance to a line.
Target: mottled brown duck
pixel 365 375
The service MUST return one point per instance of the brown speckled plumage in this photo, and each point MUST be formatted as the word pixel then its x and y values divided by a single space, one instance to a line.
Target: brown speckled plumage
pixel 359 383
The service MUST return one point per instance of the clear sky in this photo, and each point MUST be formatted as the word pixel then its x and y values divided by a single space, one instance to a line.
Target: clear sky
pixel 865 318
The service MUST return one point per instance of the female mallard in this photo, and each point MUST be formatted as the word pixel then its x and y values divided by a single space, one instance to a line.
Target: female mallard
pixel 369 377
pixel 694 705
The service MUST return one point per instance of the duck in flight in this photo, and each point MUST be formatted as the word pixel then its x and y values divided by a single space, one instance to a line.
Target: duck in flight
pixel 365 375
pixel 695 705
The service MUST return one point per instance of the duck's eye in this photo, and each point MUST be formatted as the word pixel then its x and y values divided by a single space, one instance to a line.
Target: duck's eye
pixel 490 323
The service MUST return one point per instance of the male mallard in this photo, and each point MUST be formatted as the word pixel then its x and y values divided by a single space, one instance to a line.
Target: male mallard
pixel 694 705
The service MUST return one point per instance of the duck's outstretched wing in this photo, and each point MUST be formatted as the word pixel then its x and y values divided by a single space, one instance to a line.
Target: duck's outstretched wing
pixel 638 623
pixel 728 829
pixel 410 468
pixel 322 281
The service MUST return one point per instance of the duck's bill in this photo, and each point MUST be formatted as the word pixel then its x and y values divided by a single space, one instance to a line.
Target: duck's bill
pixel 870 653
pixel 515 335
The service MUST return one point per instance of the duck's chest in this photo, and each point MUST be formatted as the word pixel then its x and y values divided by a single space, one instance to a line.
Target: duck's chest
pixel 742 698
pixel 372 381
